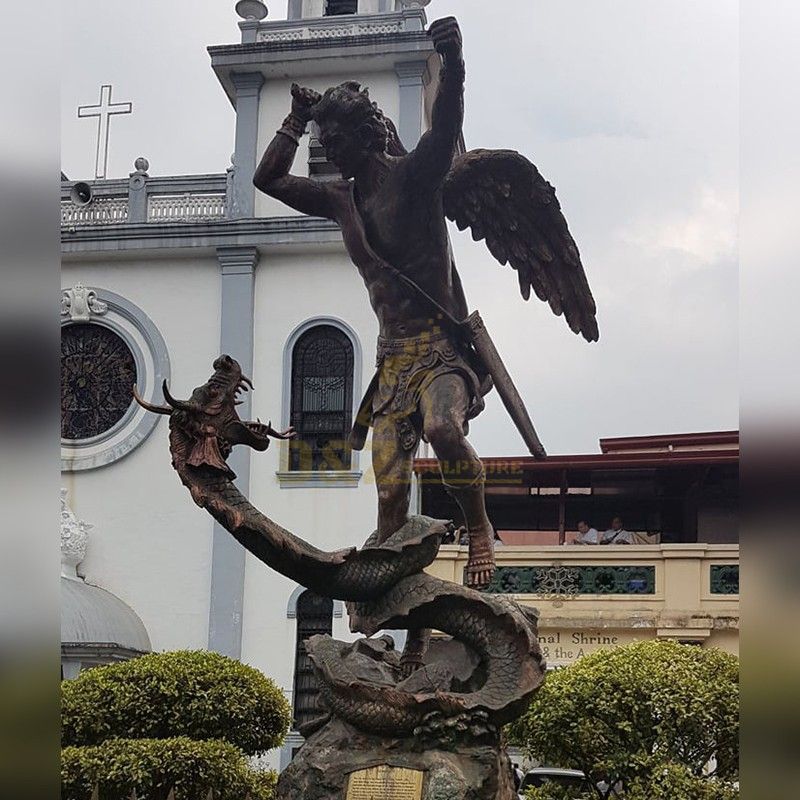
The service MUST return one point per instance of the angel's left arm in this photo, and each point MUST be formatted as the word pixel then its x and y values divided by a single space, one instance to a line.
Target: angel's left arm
pixel 433 156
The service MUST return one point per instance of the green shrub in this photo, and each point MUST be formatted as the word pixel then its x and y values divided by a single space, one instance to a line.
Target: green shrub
pixel 552 791
pixel 651 714
pixel 196 694
pixel 152 767
pixel 675 780
pixel 668 782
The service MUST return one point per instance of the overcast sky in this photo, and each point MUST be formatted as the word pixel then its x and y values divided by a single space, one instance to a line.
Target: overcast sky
pixel 629 107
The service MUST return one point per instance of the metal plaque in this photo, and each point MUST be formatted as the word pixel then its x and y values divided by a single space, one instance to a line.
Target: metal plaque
pixel 385 783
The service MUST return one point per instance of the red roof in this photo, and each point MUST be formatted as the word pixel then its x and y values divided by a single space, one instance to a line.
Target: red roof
pixel 684 441
pixel 633 452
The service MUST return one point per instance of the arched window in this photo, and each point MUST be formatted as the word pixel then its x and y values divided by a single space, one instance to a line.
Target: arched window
pixel 322 400
pixel 314 615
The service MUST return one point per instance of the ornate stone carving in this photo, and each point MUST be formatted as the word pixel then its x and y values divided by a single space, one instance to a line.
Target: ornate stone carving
pixel 74 539
pixel 558 581
pixel 724 579
pixel 80 303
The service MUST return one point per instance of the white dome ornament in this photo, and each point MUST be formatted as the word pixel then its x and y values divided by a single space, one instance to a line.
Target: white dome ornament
pixel 74 539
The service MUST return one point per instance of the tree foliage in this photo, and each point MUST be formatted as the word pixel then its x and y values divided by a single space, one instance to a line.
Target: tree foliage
pixel 650 715
pixel 194 694
pixel 152 767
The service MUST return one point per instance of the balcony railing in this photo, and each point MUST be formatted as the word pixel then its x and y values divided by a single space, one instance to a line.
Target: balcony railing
pixel 185 207
pixel 102 211
pixel 333 27
pixel 142 199
pixel 592 597
pixel 679 577
pixel 573 580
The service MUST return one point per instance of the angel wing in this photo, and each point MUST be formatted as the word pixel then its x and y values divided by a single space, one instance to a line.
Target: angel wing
pixel 504 199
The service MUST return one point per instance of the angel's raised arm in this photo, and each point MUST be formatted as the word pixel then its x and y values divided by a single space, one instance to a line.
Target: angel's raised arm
pixel 272 175
pixel 433 155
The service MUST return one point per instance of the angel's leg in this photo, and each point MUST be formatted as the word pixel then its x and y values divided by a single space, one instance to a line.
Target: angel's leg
pixel 392 466
pixel 444 408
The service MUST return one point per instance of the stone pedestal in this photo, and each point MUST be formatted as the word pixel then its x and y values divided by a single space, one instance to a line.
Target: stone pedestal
pixel 322 768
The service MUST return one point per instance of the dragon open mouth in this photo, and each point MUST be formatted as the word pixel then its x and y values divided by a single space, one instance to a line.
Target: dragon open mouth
pixel 253 434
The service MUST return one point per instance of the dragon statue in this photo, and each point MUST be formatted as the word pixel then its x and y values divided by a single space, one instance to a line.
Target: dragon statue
pixel 438 708
pixel 500 661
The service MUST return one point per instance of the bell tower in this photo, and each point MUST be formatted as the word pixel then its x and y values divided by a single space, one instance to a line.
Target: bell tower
pixel 383 44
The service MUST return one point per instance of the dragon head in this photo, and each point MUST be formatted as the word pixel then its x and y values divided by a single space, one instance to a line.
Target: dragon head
pixel 205 427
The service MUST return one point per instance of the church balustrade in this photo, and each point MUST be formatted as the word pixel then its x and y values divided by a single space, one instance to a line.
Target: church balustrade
pixel 185 207
pixel 340 26
pixel 101 211
pixel 142 199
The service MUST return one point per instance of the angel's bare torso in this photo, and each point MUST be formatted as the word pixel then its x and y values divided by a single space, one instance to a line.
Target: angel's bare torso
pixel 405 226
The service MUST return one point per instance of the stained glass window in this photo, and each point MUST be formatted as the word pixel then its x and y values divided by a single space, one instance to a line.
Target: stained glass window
pixel 98 371
pixel 322 400
pixel 314 615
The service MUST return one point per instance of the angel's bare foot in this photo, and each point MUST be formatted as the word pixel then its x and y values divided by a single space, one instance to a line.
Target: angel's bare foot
pixel 481 565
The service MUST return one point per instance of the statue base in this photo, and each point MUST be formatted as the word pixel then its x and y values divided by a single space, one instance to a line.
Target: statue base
pixel 330 766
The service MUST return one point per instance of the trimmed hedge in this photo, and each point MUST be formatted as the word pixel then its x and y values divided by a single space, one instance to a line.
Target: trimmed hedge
pixel 152 767
pixel 650 715
pixel 196 694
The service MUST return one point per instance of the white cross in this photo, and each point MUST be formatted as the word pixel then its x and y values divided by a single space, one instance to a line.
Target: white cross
pixel 103 111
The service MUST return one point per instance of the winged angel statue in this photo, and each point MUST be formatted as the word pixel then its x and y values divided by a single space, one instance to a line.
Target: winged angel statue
pixel 434 363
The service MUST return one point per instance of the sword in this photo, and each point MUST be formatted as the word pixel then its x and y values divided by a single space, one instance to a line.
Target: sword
pixel 487 352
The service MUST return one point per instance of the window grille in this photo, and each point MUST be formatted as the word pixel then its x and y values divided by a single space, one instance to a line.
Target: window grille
pixel 314 616
pixel 322 400
pixel 97 373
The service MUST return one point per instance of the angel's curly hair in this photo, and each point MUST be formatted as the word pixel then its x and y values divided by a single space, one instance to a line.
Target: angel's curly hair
pixel 349 105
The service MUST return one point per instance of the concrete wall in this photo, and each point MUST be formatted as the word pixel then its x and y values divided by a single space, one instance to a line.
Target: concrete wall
pixel 328 517
pixel 151 546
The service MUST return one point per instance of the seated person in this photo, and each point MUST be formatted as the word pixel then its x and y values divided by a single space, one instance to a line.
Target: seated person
pixel 617 534
pixel 586 535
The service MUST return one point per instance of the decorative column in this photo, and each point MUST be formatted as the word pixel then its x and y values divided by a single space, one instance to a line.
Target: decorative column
pixel 248 92
pixel 237 267
pixel 137 191
pixel 409 123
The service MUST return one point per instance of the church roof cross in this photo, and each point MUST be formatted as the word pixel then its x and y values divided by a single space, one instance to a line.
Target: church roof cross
pixel 103 110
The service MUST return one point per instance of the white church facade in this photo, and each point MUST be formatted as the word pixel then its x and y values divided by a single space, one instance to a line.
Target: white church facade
pixel 162 274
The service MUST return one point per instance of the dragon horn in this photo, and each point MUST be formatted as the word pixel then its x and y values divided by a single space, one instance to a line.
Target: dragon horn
pixel 180 405
pixel 149 406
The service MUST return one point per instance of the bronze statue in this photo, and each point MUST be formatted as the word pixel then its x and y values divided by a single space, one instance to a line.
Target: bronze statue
pixel 437 709
pixel 435 363
pixel 445 716
pixel 391 206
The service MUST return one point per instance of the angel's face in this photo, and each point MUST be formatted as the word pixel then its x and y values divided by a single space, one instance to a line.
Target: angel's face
pixel 343 147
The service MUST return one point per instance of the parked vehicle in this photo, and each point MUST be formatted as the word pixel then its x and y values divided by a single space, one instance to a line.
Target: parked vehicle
pixel 538 776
